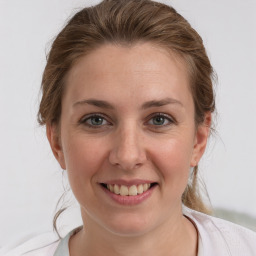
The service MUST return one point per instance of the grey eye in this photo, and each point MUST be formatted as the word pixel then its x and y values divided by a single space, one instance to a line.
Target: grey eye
pixel 96 120
pixel 159 120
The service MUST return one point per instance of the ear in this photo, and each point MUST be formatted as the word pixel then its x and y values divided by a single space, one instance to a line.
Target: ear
pixel 53 136
pixel 201 137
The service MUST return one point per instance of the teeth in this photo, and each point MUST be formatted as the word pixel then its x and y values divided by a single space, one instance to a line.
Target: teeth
pixel 123 190
pixel 116 189
pixel 111 188
pixel 146 187
pixel 133 191
pixel 140 189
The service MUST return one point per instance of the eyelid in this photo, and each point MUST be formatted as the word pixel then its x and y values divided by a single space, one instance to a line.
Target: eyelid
pixel 167 116
pixel 106 118
pixel 88 116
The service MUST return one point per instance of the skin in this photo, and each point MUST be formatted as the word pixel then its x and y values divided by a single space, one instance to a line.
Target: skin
pixel 130 144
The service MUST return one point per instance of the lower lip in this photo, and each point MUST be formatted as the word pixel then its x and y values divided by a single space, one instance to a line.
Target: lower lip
pixel 130 200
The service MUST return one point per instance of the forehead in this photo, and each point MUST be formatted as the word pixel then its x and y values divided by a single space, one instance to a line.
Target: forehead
pixel 139 70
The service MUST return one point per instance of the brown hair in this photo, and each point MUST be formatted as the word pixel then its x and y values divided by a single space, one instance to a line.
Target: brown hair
pixel 127 22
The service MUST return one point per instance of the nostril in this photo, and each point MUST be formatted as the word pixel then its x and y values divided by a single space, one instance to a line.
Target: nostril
pixel 127 156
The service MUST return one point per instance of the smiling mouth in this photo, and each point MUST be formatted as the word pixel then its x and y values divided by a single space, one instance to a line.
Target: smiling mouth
pixel 133 190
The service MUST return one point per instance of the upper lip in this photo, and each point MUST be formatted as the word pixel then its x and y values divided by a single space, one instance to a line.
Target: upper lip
pixel 127 182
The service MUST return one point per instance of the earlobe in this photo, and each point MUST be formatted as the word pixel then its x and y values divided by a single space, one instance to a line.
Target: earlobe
pixel 201 138
pixel 54 140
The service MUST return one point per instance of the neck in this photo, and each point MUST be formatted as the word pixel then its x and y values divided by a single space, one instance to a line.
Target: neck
pixel 178 237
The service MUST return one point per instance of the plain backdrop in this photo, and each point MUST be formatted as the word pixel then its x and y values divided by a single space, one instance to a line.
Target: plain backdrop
pixel 31 182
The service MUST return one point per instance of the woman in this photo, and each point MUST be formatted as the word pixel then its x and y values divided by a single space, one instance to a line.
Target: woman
pixel 127 103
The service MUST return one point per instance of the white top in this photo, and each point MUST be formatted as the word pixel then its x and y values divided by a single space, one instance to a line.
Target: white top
pixel 217 237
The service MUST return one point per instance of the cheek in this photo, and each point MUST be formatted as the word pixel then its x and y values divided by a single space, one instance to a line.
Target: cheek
pixel 174 152
pixel 83 159
pixel 172 159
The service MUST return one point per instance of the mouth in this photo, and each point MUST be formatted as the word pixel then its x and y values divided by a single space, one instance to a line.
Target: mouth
pixel 132 190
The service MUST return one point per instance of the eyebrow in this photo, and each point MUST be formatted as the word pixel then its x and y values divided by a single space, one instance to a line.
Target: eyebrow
pixel 146 105
pixel 160 103
pixel 94 102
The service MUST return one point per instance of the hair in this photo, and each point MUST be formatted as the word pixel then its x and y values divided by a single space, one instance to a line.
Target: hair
pixel 127 22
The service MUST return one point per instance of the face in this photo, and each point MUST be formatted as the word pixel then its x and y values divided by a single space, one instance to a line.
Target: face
pixel 127 137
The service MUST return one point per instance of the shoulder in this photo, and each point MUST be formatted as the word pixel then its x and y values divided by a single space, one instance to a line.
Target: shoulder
pixel 42 245
pixel 220 235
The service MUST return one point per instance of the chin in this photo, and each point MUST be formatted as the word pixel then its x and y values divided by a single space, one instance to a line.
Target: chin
pixel 130 226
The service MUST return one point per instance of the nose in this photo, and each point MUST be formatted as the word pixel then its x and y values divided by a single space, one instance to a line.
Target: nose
pixel 127 152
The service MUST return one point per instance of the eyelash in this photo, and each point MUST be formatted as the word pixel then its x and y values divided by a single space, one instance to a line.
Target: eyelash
pixel 89 117
pixel 162 115
pixel 99 115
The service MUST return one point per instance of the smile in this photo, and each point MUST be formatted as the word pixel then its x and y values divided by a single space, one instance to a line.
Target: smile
pixel 124 190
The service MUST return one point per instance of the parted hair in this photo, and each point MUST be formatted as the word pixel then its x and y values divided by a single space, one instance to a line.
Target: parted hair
pixel 127 22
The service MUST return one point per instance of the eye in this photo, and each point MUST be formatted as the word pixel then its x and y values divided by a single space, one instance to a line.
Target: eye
pixel 160 120
pixel 94 121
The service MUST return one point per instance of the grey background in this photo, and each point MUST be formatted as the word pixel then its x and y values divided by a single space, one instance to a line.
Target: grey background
pixel 31 182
